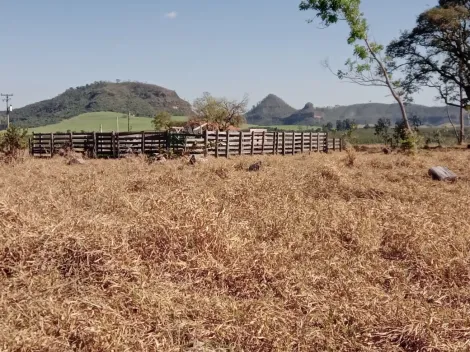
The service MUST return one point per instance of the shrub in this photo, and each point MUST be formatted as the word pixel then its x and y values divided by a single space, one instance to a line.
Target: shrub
pixel 382 130
pixel 406 139
pixel 350 157
pixel 13 141
pixel 161 121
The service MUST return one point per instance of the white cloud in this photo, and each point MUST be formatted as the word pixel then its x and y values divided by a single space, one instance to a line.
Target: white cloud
pixel 171 15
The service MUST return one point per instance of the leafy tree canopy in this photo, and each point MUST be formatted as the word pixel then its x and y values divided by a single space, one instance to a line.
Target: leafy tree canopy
pixel 368 67
pixel 220 111
pixel 436 52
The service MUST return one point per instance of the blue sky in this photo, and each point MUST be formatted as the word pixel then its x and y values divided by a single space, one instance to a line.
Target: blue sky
pixel 227 48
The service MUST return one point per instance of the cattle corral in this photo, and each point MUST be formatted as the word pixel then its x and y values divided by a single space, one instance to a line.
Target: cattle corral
pixel 218 144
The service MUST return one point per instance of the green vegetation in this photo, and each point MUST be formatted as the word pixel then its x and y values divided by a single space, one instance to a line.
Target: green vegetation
pixel 220 111
pixel 367 67
pixel 161 121
pixel 140 99
pixel 93 121
pixel 443 136
pixel 12 141
pixel 435 53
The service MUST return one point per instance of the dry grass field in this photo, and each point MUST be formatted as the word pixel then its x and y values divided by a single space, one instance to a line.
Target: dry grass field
pixel 308 254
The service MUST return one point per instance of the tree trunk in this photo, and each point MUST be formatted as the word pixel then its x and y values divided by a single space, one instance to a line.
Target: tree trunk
pixel 452 124
pixel 462 123
pixel 390 87
pixel 403 112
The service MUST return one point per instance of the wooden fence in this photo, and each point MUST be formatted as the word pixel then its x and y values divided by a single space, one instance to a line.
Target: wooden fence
pixel 218 144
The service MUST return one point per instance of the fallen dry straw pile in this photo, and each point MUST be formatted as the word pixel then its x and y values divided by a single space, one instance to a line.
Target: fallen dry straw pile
pixel 306 254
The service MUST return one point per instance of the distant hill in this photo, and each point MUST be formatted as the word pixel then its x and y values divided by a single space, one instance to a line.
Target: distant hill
pixel 141 99
pixel 271 110
pixel 371 112
pixel 306 116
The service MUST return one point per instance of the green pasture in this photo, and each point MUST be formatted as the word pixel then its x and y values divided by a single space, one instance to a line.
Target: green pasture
pixel 112 121
pixel 94 121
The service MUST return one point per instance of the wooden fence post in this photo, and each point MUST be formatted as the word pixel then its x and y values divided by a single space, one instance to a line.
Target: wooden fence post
pixel 95 145
pixel 262 143
pixel 274 142
pixel 302 143
pixel 240 144
pixel 326 143
pixel 51 144
pixel 227 146
pixel 252 143
pixel 293 143
pixel 318 142
pixel 277 142
pixel 311 141
pixel 118 145
pixel 40 144
pixel 283 143
pixel 206 143
pixel 71 140
pixel 341 144
pixel 142 145
pixel 29 145
pixel 168 141
pixel 334 144
pixel 113 144
pixel 217 143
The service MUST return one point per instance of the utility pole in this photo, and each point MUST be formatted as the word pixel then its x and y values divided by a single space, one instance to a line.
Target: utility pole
pixel 9 107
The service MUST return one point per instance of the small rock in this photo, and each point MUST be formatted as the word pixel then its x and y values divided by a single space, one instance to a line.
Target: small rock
pixel 75 161
pixel 442 173
pixel 255 167
pixel 386 151
pixel 192 160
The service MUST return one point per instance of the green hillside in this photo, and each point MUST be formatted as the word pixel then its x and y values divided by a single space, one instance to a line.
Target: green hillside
pixel 93 121
pixel 141 99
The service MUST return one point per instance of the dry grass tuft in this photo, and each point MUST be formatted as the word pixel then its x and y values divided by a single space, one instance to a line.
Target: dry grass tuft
pixel 350 157
pixel 306 255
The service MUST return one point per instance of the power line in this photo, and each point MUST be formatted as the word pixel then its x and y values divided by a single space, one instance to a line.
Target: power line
pixel 7 99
